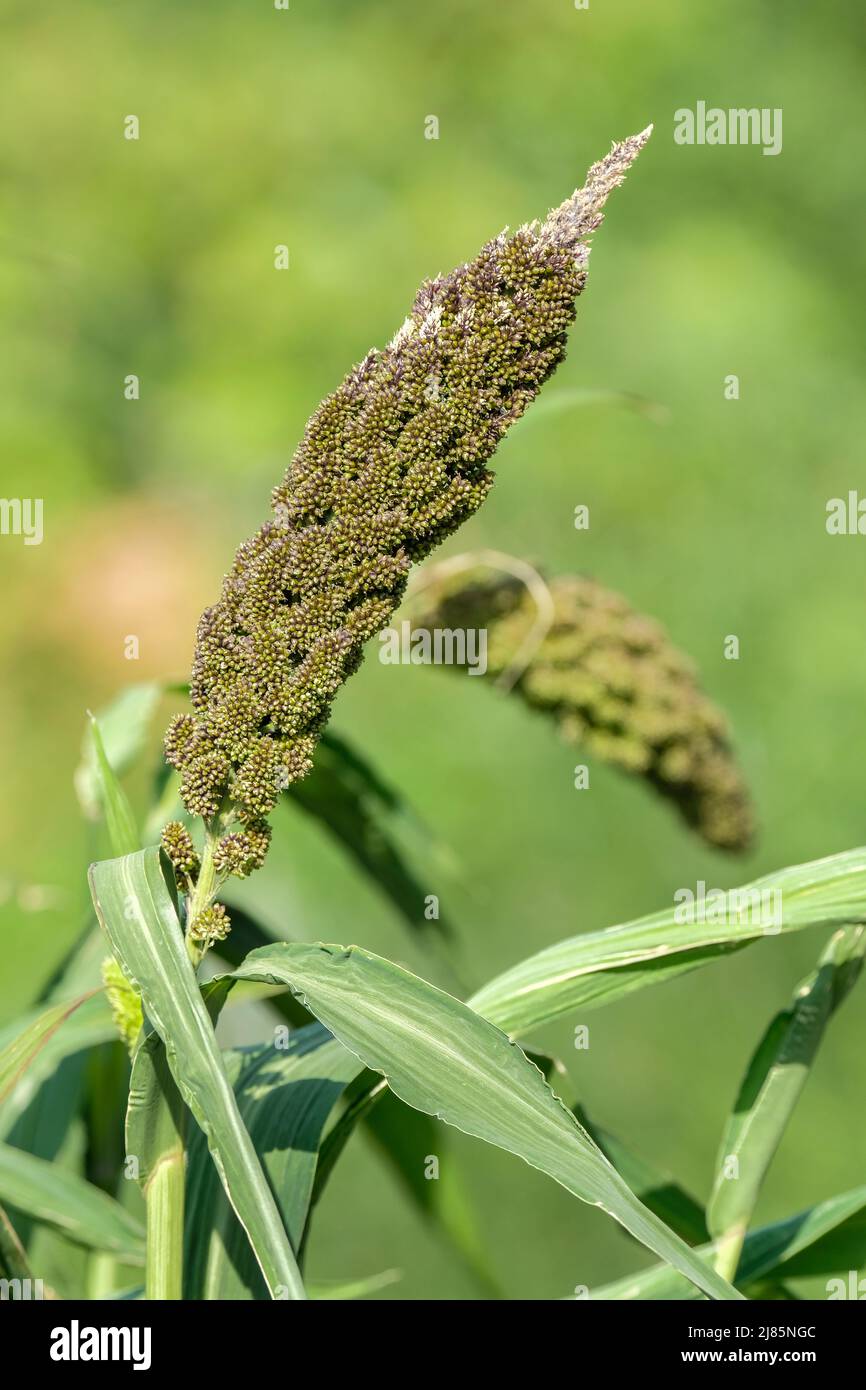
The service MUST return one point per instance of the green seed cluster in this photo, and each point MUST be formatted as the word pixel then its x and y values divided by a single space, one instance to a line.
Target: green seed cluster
pixel 614 684
pixel 177 843
pixel 389 466
pixel 212 924
pixel 240 852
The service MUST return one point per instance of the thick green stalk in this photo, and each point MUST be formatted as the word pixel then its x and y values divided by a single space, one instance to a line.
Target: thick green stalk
pixel 164 1195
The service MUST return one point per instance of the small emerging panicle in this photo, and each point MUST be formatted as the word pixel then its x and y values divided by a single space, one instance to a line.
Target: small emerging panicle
pixel 124 1001
pixel 210 925
pixel 389 466
pixel 613 682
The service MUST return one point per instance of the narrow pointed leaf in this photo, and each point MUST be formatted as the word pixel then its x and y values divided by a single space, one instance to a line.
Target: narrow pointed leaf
pixel 779 1250
pixel 58 1198
pixel 658 1191
pixel 356 1288
pixel 286 1097
pixel 136 910
pixel 440 1057
pixel 602 966
pixel 88 1025
pixel 21 1049
pixel 775 1077
pixel 119 818
pixel 123 727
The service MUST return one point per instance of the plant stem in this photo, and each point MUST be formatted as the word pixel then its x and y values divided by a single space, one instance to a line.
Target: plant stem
pixel 164 1197
pixel 206 883
pixel 729 1251
pixel 101 1274
pixel 204 891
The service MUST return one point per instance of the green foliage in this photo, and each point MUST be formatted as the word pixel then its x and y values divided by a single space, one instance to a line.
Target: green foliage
pixel 65 1202
pixel 444 1059
pixel 298 1099
pixel 830 1236
pixel 137 913
pixel 599 967
pixel 771 1088
pixel 287 1091
pixel 122 829
pixel 21 1050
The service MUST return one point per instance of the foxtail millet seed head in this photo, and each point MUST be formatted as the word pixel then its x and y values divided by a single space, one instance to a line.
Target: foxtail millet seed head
pixel 389 466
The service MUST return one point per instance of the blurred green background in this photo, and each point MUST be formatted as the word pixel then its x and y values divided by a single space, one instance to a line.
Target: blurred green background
pixel 155 257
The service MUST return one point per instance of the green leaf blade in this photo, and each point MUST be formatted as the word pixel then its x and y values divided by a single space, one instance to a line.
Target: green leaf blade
pixel 58 1198
pixel 119 818
pixel 123 727
pixel 602 966
pixel 774 1079
pixel 829 1236
pixel 441 1058
pixel 286 1097
pixel 135 908
pixel 24 1047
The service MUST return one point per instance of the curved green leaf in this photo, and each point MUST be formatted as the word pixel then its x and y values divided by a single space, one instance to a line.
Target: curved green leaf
pixel 122 729
pixel 771 1087
pixel 598 967
pixel 286 1096
pixel 123 833
pixel 88 1024
pixel 51 1194
pixel 356 1288
pixel 26 1043
pixel 440 1057
pixel 658 1191
pixel 13 1260
pixel 136 910
pixel 779 1250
